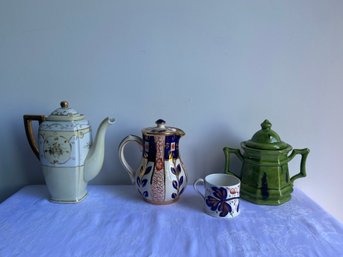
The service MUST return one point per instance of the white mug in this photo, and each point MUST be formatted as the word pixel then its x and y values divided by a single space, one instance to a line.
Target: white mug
pixel 221 198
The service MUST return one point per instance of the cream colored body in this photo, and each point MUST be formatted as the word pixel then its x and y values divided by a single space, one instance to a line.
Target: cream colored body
pixel 67 179
pixel 68 156
pixel 65 184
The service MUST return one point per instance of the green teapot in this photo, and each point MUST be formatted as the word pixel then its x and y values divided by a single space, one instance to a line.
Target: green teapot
pixel 264 174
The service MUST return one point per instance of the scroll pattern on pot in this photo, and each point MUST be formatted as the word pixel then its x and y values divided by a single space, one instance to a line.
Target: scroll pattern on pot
pixel 158 178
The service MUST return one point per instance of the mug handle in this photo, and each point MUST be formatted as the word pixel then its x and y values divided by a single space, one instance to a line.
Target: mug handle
pixel 122 159
pixel 195 185
pixel 304 152
pixel 227 152
pixel 29 131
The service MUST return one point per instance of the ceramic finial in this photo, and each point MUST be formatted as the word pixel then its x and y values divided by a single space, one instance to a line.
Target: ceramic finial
pixel 266 124
pixel 64 104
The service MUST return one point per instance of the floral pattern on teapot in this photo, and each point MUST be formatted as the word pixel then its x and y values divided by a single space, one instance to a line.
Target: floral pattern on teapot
pixel 162 177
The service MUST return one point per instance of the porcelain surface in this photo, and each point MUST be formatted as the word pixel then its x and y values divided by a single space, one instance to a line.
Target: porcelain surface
pixel 161 177
pixel 221 197
pixel 68 155
pixel 264 175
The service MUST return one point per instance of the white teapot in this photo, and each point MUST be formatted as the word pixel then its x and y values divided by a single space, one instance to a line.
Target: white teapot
pixel 68 157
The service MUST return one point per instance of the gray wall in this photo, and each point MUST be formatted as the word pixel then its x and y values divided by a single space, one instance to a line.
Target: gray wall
pixel 216 69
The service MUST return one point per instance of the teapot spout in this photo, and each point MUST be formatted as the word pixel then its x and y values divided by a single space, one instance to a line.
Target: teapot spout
pixel 96 154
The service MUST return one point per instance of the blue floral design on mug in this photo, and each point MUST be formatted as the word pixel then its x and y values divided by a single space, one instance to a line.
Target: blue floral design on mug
pixel 220 201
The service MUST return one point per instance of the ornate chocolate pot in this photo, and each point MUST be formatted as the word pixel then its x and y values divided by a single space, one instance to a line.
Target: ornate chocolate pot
pixel 68 157
pixel 264 174
pixel 161 177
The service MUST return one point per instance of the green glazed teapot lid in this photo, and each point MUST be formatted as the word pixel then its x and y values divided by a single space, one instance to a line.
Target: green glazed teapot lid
pixel 266 139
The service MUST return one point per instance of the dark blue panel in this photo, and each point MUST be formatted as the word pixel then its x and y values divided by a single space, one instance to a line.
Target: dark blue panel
pixel 149 146
pixel 171 147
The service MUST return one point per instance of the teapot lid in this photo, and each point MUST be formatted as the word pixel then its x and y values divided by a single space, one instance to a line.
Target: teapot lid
pixel 65 113
pixel 162 129
pixel 266 139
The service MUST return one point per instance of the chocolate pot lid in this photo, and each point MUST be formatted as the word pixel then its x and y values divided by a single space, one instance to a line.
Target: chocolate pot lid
pixel 162 129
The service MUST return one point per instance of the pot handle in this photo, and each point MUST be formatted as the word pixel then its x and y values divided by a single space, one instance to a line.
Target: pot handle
pixel 122 159
pixel 29 131
pixel 304 152
pixel 227 152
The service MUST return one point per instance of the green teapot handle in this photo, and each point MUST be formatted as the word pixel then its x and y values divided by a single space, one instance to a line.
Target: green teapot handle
pixel 304 152
pixel 227 152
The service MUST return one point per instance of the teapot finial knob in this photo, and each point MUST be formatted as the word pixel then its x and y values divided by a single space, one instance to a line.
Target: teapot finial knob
pixel 266 124
pixel 64 104
pixel 160 123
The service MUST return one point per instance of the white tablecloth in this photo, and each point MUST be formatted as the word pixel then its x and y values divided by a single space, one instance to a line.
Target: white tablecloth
pixel 115 221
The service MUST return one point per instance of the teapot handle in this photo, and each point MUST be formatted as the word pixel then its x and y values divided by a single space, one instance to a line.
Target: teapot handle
pixel 304 152
pixel 29 131
pixel 227 152
pixel 123 161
